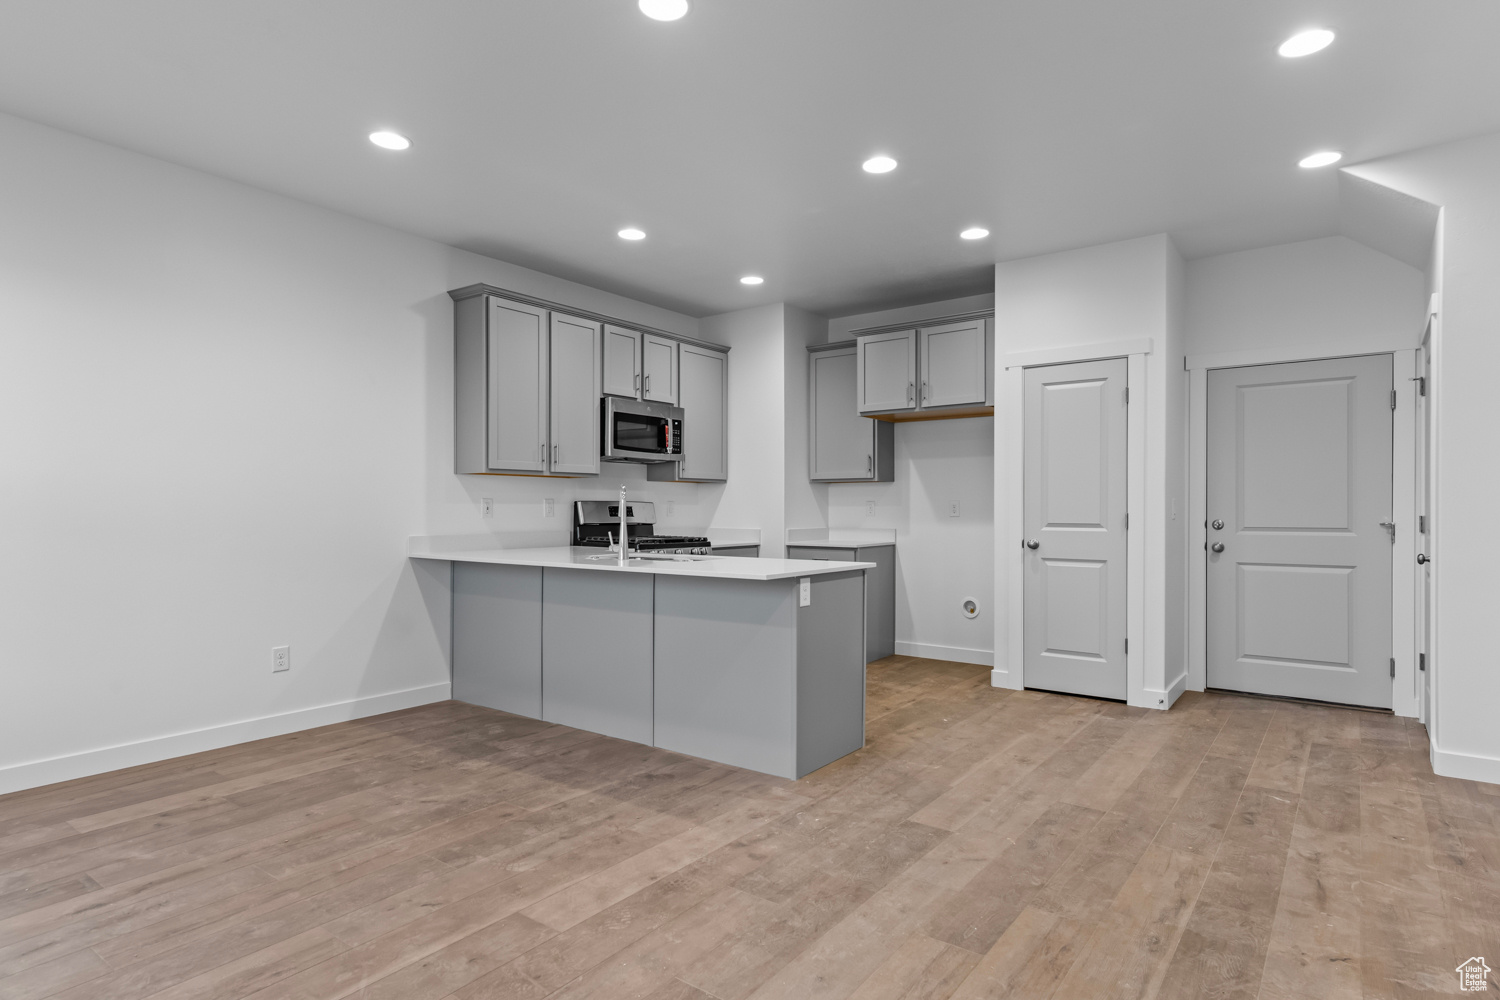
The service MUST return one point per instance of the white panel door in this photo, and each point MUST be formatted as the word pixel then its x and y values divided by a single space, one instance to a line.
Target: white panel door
pixel 659 369
pixel 622 362
pixel 575 395
pixel 953 364
pixel 1299 495
pixel 887 367
pixel 516 349
pixel 1074 547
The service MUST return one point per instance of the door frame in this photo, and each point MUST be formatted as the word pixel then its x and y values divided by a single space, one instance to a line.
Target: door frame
pixel 1404 485
pixel 1014 375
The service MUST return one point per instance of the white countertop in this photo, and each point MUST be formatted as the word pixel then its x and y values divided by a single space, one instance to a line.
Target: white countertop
pixel 466 549
pixel 840 538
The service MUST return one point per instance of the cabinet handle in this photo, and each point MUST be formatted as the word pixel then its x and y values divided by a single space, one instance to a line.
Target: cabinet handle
pixel 910 392
pixel 543 455
pixel 648 385
pixel 869 465
pixel 924 392
pixel 554 453
pixel 637 383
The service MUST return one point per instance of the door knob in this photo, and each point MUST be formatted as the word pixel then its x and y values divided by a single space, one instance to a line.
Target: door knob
pixel 1033 544
pixel 1422 559
pixel 1218 525
pixel 1218 546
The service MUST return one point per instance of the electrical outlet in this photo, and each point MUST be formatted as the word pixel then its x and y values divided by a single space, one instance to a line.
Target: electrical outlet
pixel 281 659
pixel 869 508
pixel 549 507
pixel 804 591
pixel 487 506
pixel 953 508
pixel 669 508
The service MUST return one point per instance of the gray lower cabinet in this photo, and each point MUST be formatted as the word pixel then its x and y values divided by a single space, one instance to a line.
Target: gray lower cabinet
pixel 526 388
pixel 734 671
pixel 880 589
pixel 844 447
pixel 745 551
pixel 703 394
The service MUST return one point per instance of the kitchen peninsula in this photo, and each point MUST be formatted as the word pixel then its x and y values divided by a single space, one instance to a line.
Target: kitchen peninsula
pixel 758 663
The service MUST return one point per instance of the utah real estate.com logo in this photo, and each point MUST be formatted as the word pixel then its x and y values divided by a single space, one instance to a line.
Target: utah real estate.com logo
pixel 1474 975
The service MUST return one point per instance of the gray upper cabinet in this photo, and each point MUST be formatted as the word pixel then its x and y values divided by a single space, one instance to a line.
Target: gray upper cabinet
pixel 952 364
pixel 659 369
pixel 887 372
pixel 842 445
pixel 526 388
pixel 574 392
pixel 622 362
pixel 703 393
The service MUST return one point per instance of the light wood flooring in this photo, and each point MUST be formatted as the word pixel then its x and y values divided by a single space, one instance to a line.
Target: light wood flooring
pixel 984 844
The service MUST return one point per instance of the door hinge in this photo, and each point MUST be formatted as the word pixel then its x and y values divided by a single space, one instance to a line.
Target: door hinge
pixel 1393 399
pixel 1393 666
pixel 1422 661
pixel 1422 523
pixel 1127 520
pixel 1421 381
pixel 1127 645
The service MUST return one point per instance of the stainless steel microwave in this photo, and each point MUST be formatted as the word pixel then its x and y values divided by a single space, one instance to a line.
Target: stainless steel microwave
pixel 637 430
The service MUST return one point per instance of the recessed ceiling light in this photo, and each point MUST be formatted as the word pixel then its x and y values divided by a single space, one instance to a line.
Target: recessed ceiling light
pixel 632 234
pixel 974 233
pixel 663 10
pixel 1305 43
pixel 390 140
pixel 879 165
pixel 1326 158
pixel 752 279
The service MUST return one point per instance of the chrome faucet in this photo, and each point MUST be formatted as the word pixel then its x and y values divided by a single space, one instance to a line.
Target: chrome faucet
pixel 624 531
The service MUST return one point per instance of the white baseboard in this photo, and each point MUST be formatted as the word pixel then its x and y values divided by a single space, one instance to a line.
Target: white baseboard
pixel 956 653
pixel 1474 767
pixel 33 774
pixel 1164 698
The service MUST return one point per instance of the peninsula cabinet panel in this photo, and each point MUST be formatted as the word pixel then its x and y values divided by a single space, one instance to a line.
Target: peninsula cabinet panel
pixel 497 637
pixel 887 369
pixel 703 393
pixel 952 363
pixel 574 391
pixel 622 362
pixel 844 447
pixel 659 369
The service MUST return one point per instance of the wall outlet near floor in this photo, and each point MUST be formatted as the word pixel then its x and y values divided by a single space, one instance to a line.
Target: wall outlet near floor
pixel 953 508
pixel 487 506
pixel 804 591
pixel 281 659
pixel 869 508
pixel 549 507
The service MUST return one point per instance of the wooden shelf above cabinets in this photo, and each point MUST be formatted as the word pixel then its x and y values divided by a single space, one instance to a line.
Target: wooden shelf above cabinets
pixel 957 413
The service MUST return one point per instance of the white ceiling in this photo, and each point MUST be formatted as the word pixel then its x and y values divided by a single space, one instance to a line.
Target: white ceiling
pixel 734 136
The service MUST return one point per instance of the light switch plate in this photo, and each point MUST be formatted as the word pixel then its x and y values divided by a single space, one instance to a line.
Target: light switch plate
pixel 487 506
pixel 549 507
pixel 953 508
pixel 804 591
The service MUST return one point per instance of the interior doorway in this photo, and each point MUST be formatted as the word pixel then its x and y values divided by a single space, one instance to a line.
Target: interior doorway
pixel 1300 531
pixel 1075 500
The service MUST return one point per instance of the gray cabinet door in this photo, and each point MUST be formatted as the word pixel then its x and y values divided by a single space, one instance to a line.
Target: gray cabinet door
pixel 704 387
pixel 622 362
pixel 841 444
pixel 574 386
pixel 887 370
pixel 659 369
pixel 952 364
pixel 516 397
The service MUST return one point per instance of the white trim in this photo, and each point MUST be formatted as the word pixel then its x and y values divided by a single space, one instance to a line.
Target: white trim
pixel 1167 697
pixel 36 773
pixel 1080 352
pixel 1278 356
pixel 1197 542
pixel 1472 766
pixel 1403 491
pixel 958 654
pixel 1011 637
pixel 1137 597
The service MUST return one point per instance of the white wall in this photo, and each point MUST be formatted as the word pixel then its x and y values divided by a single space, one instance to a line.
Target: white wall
pixel 1102 295
pixel 940 560
pixel 806 502
pixel 1465 541
pixel 1331 294
pixel 222 412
